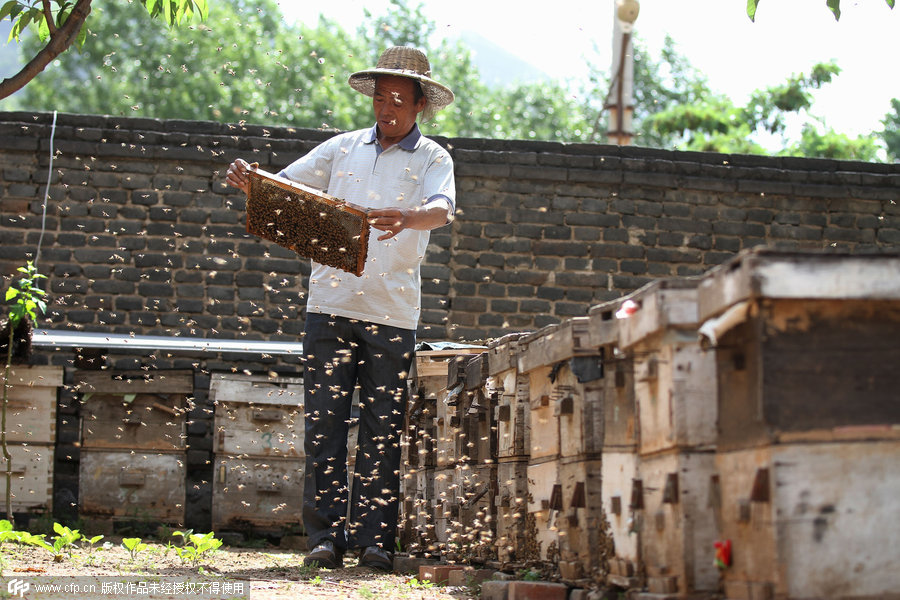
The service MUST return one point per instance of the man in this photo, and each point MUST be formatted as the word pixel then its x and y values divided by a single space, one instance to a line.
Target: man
pixel 360 331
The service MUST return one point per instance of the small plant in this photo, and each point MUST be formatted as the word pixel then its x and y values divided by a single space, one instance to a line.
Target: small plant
pixel 528 575
pixel 307 572
pixel 63 541
pixel 419 585
pixel 196 545
pixel 365 592
pixel 134 546
pixel 27 300
pixel 89 547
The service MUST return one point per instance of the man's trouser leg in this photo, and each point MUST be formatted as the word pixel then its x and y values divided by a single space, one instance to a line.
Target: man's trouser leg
pixel 384 356
pixel 329 376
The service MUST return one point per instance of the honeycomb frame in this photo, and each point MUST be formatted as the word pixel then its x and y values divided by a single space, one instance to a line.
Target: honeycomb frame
pixel 313 224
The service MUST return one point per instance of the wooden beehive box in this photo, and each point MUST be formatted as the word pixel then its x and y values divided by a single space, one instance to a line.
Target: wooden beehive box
pixel 509 388
pixel 678 529
pixel 804 518
pixel 565 387
pixel 257 493
pixel 585 541
pixel 120 485
pixel 513 531
pixel 258 415
pixel 804 343
pixel 809 426
pixel 463 512
pixel 674 377
pixel 31 404
pixel 544 511
pixel 313 224
pixel 133 438
pixel 31 483
pixel 134 410
pixel 619 463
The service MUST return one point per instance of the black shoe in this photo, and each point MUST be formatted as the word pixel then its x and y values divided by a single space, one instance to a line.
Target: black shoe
pixel 324 556
pixel 375 557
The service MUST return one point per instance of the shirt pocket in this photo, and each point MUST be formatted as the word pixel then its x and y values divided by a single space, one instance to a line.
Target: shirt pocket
pixel 405 191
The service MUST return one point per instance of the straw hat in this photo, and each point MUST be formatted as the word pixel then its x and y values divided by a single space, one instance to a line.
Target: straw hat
pixel 405 61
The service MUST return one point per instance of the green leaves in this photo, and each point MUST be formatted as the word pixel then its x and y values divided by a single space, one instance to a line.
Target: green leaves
pixel 751 9
pixel 27 298
pixel 196 545
pixel 134 546
pixel 833 5
pixel 176 12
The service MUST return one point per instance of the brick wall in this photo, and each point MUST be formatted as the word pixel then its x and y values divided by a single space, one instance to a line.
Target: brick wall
pixel 142 236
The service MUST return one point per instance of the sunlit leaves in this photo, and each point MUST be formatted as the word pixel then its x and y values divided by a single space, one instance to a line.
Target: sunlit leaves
pixel 833 5
pixel 176 12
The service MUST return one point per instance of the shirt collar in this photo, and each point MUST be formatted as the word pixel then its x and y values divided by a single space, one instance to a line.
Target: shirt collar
pixel 408 143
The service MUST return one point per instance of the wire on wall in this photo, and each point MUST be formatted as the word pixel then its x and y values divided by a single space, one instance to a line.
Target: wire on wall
pixel 37 254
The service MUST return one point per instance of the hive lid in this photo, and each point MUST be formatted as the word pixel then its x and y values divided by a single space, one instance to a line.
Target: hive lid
pixel 313 224
pixel 799 274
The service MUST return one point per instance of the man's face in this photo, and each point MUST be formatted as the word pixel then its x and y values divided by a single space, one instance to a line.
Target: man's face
pixel 395 106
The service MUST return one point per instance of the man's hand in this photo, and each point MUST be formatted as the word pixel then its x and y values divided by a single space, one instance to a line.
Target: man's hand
pixel 237 175
pixel 390 220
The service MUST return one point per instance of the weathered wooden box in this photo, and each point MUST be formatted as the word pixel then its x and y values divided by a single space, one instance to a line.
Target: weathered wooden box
pixel 257 493
pixel 513 543
pixel 544 512
pixel 804 342
pixel 125 485
pixel 585 542
pixel 620 463
pixel 812 520
pixel 464 511
pixel 809 421
pixel 674 378
pixel 677 526
pixel 31 483
pixel 31 404
pixel 432 416
pixel 509 390
pixel 565 391
pixel 134 410
pixel 258 415
pixel 31 436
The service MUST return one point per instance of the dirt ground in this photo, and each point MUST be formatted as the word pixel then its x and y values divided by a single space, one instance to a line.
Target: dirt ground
pixel 260 574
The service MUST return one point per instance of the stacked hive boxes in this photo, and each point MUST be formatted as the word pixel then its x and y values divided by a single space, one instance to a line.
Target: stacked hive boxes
pixel 565 392
pixel 259 458
pixel 132 464
pixel 675 395
pixel 619 461
pixel 511 425
pixel 808 474
pixel 431 451
pixel 751 410
pixel 30 436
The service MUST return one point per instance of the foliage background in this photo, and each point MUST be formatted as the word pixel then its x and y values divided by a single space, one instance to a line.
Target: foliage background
pixel 246 63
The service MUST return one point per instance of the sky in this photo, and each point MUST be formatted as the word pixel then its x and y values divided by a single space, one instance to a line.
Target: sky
pixel 736 55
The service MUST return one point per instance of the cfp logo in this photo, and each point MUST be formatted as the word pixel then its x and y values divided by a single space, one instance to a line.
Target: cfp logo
pixel 17 587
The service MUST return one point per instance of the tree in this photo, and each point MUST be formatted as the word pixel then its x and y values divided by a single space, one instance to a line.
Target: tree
pixel 833 5
pixel 891 131
pixel 60 23
pixel 221 70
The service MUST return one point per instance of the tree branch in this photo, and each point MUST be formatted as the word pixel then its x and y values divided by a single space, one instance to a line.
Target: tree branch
pixel 48 14
pixel 58 44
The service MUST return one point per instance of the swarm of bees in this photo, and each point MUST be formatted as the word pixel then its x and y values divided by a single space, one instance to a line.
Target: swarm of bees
pixel 314 225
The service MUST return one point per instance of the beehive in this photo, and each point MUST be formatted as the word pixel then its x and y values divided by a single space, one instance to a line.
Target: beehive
pixel 133 453
pixel 619 464
pixel 311 223
pixel 807 475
